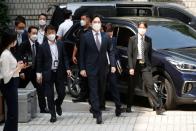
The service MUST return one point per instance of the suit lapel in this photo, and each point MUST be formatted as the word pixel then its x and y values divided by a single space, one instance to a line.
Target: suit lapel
pixel 136 45
pixel 102 41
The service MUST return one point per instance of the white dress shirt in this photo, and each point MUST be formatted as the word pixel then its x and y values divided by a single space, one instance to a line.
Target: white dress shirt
pixel 54 53
pixel 64 27
pixel 8 66
pixel 40 36
pixel 139 55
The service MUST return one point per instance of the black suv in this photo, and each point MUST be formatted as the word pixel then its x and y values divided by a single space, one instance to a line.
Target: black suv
pixel 112 9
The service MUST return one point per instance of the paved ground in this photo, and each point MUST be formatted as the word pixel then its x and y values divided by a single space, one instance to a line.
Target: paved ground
pixel 77 118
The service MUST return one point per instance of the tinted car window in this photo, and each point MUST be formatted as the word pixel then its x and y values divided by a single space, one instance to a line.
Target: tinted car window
pixel 171 35
pixel 123 36
pixel 171 13
pixel 126 11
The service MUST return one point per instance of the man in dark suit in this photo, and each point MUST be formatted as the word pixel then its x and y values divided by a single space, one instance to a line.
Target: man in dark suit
pixel 93 64
pixel 52 65
pixel 28 53
pixel 22 34
pixel 139 62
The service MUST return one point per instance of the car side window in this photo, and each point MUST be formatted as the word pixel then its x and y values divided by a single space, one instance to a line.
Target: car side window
pixel 134 11
pixel 171 13
pixel 123 35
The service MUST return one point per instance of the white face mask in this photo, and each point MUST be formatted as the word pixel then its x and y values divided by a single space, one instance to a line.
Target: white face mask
pixel 42 22
pixel 141 31
pixel 96 26
pixel 82 22
pixel 33 38
pixel 51 37
pixel 20 31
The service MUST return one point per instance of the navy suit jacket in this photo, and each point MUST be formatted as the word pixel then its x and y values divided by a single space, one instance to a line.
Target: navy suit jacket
pixel 44 61
pixel 91 59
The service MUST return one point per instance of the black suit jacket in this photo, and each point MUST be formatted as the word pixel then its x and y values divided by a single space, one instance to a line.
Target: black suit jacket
pixel 24 50
pixel 44 61
pixel 15 50
pixel 91 59
pixel 133 52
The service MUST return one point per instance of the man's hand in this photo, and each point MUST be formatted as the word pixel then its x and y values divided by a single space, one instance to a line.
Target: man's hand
pixel 69 73
pixel 83 73
pixel 74 59
pixel 39 78
pixel 113 69
pixel 22 76
pixel 131 72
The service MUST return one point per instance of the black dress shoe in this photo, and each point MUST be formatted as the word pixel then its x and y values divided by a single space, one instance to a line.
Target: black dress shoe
pixel 160 111
pixel 59 110
pixel 99 119
pixel 118 112
pixel 53 119
pixel 78 100
pixel 128 110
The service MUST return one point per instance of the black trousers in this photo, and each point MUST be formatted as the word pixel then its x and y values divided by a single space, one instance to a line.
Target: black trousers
pixel 141 70
pixel 10 93
pixel 84 93
pixel 49 89
pixel 113 89
pixel 31 77
pixel 96 85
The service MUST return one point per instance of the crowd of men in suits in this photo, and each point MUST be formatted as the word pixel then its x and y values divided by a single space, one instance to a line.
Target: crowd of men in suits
pixel 47 63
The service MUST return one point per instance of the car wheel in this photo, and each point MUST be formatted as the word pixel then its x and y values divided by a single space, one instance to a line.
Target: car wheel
pixel 74 83
pixel 164 88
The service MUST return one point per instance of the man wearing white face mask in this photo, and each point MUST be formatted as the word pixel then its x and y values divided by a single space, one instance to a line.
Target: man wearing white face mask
pixel 22 34
pixel 42 25
pixel 139 62
pixel 28 54
pixel 93 64
pixel 52 67
pixel 85 23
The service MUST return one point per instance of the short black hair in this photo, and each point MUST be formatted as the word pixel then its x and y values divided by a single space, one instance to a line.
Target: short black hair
pixel 67 13
pixel 8 37
pixel 109 27
pixel 50 27
pixel 32 27
pixel 43 14
pixel 19 19
pixel 142 22
pixel 96 15
pixel 87 15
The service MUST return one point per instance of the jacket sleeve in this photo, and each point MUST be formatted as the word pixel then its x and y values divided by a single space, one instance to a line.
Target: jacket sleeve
pixel 40 59
pixel 65 57
pixel 82 53
pixel 130 53
pixel 111 52
pixel 150 52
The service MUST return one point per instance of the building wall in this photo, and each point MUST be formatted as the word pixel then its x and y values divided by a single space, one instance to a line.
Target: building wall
pixel 30 9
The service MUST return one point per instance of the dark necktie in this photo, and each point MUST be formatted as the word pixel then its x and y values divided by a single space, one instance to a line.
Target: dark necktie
pixel 33 55
pixel 98 44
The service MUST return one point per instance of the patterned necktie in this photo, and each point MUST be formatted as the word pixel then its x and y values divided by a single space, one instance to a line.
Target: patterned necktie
pixel 98 44
pixel 142 49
